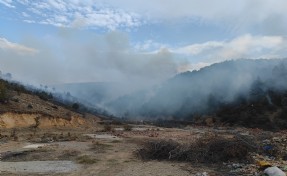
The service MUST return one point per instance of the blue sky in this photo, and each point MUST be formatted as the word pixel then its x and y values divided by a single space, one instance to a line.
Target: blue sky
pixel 56 41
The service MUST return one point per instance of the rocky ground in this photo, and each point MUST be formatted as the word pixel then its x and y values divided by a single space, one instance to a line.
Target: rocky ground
pixel 95 151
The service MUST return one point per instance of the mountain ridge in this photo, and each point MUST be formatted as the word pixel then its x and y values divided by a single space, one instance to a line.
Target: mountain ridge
pixel 210 90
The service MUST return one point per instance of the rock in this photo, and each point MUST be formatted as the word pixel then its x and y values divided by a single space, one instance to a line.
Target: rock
pixel 266 141
pixel 201 174
pixel 276 139
pixel 274 171
pixel 237 165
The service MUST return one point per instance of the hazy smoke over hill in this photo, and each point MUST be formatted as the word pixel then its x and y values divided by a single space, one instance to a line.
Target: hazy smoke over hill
pixel 86 57
pixel 73 56
pixel 201 92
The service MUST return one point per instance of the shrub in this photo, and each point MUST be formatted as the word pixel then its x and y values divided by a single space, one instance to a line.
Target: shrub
pixel 128 127
pixel 108 128
pixel 15 100
pixel 157 150
pixel 13 135
pixel 208 150
pixel 44 95
pixel 75 106
pixel 30 106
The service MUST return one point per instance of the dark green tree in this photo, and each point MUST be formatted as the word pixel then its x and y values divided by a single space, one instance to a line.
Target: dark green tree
pixel 3 92
pixel 75 106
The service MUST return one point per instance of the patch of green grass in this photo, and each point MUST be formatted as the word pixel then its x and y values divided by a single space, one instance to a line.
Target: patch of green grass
pixel 85 159
pixel 115 141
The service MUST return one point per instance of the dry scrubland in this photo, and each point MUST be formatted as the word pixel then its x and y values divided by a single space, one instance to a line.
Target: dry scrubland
pixel 125 150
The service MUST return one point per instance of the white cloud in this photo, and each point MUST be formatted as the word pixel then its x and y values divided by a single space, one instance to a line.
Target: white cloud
pixel 267 16
pixel 245 46
pixel 24 14
pixel 29 21
pixel 242 46
pixel 24 2
pixel 192 66
pixel 16 48
pixel 251 46
pixel 77 14
pixel 149 46
pixel 59 5
pixel 199 48
pixel 7 3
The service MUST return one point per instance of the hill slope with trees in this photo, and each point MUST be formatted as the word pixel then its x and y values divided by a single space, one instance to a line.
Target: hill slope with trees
pixel 26 107
pixel 250 93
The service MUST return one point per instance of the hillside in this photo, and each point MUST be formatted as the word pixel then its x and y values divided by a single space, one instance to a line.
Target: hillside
pixel 20 107
pixel 243 92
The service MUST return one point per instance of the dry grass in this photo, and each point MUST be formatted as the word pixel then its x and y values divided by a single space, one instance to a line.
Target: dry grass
pixel 204 150
pixel 69 154
pixel 99 147
pixel 60 137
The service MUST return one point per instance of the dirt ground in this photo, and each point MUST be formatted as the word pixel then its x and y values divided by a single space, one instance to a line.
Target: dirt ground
pixel 90 152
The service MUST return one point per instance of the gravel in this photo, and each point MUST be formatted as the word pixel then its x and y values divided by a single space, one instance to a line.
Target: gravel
pixel 153 168
pixel 38 167
pixel 103 136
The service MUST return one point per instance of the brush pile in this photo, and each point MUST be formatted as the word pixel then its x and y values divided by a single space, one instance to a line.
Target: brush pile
pixel 204 150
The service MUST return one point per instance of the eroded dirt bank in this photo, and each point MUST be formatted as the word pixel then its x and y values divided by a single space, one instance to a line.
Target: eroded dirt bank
pixel 13 120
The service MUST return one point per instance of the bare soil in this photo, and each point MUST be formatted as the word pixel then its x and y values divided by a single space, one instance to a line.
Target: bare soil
pixel 71 152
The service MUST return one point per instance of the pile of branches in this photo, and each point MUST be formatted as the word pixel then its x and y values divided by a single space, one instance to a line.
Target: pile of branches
pixel 208 150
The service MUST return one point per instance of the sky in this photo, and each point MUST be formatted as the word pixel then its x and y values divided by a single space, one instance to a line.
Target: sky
pixel 67 41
